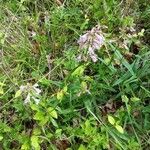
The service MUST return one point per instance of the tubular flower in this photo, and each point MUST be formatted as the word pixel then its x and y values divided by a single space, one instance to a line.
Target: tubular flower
pixel 31 92
pixel 92 41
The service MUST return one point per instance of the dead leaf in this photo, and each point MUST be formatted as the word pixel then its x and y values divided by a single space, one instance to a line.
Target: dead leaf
pixel 111 107
pixel 61 144
pixel 59 2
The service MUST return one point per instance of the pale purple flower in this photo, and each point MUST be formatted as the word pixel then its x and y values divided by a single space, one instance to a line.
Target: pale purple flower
pixel 92 41
pixel 92 54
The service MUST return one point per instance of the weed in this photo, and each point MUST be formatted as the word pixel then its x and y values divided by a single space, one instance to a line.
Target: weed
pixel 52 96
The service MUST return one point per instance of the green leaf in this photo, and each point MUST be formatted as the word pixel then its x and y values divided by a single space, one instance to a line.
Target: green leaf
pixel 52 112
pixel 60 95
pixel 78 71
pixel 22 1
pixel 1 91
pixel 111 120
pixel 65 89
pixel 25 146
pixel 36 131
pixel 53 121
pixel 35 142
pixel 82 147
pixel 7 128
pixel 45 81
pixel 88 129
pixel 39 116
pixel 2 84
pixel 34 107
pixel 58 133
pixel 119 128
pixel 1 35
pixel 44 121
pixel 1 138
pixel 135 99
pixel 18 93
pixel 125 98
pixel 84 86
pixel 2 41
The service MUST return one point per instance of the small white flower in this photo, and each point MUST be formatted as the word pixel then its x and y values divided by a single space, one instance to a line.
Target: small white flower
pixel 27 100
pixel 36 89
pixel 22 88
pixel 32 92
pixel 88 91
pixel 36 100
pixel 79 58
pixel 33 34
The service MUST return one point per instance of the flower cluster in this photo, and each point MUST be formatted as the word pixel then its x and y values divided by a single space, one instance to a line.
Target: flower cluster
pixel 31 92
pixel 92 40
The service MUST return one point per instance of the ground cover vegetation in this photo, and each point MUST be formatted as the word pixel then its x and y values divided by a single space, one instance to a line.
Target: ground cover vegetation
pixel 74 74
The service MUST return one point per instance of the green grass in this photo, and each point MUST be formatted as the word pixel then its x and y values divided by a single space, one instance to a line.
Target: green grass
pixel 84 105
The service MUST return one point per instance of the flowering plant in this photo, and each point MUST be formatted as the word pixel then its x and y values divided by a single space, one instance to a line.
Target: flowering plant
pixel 92 41
pixel 29 92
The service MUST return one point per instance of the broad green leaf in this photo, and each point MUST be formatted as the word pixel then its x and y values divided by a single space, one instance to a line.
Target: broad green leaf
pixel 49 135
pixel 1 91
pixel 119 128
pixel 52 112
pixel 44 121
pixel 7 128
pixel 65 89
pixel 18 93
pixel 39 116
pixel 107 61
pixel 35 142
pixel 82 147
pixel 78 71
pixel 34 107
pixel 84 86
pixel 54 122
pixel 1 35
pixel 111 120
pixel 125 98
pixel 88 129
pixel 58 133
pixel 36 131
pixel 60 95
pixel 135 99
pixel 25 146
pixel 2 41
pixel 88 78
pixel 2 84
pixel 45 81
pixel 1 138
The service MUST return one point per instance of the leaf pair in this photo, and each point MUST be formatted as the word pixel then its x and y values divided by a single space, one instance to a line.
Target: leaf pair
pixel 115 124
